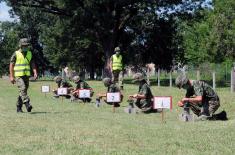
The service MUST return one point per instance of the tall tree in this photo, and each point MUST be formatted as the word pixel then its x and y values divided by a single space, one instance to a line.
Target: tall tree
pixel 106 21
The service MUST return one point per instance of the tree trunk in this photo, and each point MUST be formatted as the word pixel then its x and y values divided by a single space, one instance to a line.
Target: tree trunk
pixel 108 51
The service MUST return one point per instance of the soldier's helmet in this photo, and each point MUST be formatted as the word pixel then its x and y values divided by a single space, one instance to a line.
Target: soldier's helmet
pixel 138 77
pixel 58 79
pixel 117 49
pixel 107 81
pixel 181 80
pixel 76 78
pixel 24 42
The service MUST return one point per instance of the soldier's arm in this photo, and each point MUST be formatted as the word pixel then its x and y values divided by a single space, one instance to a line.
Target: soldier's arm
pixel 110 63
pixel 101 95
pixel 194 100
pixel 35 73
pixel 11 70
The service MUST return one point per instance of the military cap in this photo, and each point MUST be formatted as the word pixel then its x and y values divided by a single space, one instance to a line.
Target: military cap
pixel 24 42
pixel 117 49
pixel 138 77
pixel 107 81
pixel 76 78
pixel 58 79
pixel 181 80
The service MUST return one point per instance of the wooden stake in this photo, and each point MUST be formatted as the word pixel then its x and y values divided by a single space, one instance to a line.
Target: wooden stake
pixel 113 108
pixel 162 116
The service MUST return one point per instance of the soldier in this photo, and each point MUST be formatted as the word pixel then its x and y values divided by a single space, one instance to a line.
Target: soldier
pixel 81 84
pixel 200 97
pixel 116 65
pixel 143 99
pixel 62 84
pixel 20 70
pixel 112 88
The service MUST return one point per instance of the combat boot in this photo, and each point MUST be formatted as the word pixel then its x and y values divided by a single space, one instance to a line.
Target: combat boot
pixel 28 106
pixel 19 105
pixel 19 109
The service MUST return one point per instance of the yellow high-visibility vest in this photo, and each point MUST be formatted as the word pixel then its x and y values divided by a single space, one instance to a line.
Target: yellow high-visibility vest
pixel 22 65
pixel 117 62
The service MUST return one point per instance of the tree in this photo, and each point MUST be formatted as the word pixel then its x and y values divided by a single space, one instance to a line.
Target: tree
pixel 108 23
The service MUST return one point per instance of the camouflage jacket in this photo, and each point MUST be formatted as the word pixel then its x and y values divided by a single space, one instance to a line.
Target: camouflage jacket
pixel 144 89
pixel 64 84
pixel 82 85
pixel 113 88
pixel 200 88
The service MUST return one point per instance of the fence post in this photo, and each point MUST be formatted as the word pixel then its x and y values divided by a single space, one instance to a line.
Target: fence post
pixel 214 84
pixel 233 80
pixel 158 77
pixel 170 79
pixel 148 75
pixel 198 75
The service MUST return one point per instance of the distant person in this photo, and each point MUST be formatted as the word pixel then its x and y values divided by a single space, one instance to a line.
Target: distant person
pixel 81 84
pixel 62 84
pixel 144 98
pixel 200 98
pixel 20 70
pixel 112 88
pixel 116 65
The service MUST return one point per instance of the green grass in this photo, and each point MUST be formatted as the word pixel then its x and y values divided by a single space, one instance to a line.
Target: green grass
pixel 55 127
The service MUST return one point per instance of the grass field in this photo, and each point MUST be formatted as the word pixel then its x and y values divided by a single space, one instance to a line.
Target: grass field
pixel 55 127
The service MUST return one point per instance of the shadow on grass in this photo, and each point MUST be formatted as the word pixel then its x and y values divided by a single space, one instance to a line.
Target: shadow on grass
pixel 57 112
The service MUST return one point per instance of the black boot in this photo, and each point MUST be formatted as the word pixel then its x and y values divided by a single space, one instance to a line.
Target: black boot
pixel 28 106
pixel 19 105
pixel 19 109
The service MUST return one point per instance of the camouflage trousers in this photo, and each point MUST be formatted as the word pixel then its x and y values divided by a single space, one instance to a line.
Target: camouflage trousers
pixel 23 85
pixel 118 77
pixel 207 108
pixel 143 104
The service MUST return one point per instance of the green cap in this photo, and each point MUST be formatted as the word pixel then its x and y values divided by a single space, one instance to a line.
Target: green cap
pixel 76 78
pixel 58 79
pixel 181 80
pixel 107 81
pixel 138 77
pixel 117 49
pixel 24 42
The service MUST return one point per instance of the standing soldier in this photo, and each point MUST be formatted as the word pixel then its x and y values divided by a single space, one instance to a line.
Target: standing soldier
pixel 20 69
pixel 143 99
pixel 116 65
pixel 200 98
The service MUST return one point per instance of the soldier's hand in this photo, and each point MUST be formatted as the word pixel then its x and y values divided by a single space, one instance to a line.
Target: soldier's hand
pixel 12 79
pixel 180 104
pixel 35 76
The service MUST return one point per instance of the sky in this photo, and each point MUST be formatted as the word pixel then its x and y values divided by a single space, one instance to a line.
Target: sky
pixel 4 15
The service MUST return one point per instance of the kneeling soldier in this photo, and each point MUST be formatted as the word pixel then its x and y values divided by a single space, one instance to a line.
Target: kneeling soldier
pixel 62 84
pixel 200 98
pixel 81 84
pixel 143 99
pixel 112 88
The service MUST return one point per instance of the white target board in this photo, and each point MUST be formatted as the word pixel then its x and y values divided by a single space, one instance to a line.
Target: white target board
pixel 45 89
pixel 62 91
pixel 113 97
pixel 162 102
pixel 84 93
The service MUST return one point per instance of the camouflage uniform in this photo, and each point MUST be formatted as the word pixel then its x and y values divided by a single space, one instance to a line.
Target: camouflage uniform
pixel 83 85
pixel 22 83
pixel 62 84
pixel 117 73
pixel 112 88
pixel 210 100
pixel 146 104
